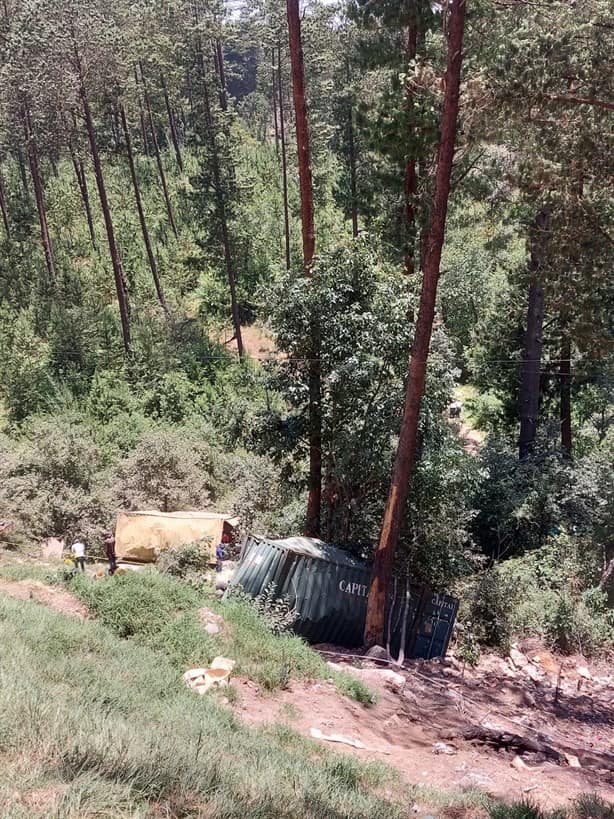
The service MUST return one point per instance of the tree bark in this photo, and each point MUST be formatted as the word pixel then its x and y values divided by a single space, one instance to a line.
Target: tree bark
pixel 221 73
pixel 156 146
pixel 223 220
pixel 302 133
pixel 22 173
pixel 314 502
pixel 406 449
pixel 274 86
pixel 4 208
pixel 411 176
pixel 115 128
pixel 606 575
pixel 352 161
pixel 39 195
pixel 153 266
pixel 565 388
pixel 141 114
pixel 284 159
pixel 172 123
pixel 83 189
pixel 118 272
pixel 532 353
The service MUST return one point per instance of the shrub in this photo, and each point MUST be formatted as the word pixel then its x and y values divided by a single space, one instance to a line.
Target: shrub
pixel 172 398
pixel 25 382
pixel 50 479
pixel 556 599
pixel 274 611
pixel 486 411
pixel 486 605
pixel 188 563
pixel 135 603
pixel 170 469
pixel 110 396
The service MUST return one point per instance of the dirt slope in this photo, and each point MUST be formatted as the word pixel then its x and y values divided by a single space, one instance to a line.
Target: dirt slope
pixel 53 597
pixel 435 703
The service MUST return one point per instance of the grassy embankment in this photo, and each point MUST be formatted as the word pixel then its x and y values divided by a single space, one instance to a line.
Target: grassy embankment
pixel 95 720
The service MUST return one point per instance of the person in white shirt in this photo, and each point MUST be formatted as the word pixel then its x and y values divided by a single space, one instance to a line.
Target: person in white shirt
pixel 78 549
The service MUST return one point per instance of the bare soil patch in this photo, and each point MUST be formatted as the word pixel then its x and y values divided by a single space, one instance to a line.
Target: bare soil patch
pixel 54 598
pixel 258 343
pixel 448 727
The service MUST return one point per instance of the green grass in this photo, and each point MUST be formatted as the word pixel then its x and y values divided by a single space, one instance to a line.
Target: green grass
pixel 160 611
pixel 12 569
pixel 105 727
pixel 94 724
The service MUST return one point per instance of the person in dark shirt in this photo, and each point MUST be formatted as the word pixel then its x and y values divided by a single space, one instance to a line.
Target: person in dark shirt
pixel 109 550
pixel 220 552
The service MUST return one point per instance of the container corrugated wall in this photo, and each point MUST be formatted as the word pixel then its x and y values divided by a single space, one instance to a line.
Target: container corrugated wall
pixel 329 589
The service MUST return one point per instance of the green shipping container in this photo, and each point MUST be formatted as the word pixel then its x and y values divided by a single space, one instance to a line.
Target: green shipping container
pixel 328 588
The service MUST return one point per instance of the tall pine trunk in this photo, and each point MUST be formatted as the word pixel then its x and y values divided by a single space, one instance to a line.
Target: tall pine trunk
pixel 156 147
pixel 411 176
pixel 274 88
pixel 121 287
pixel 565 396
pixel 39 196
pixel 83 190
pixel 406 449
pixel 115 129
pixel 221 73
pixel 144 139
pixel 223 219
pixel 172 123
pixel 284 159
pixel 22 172
pixel 532 352
pixel 153 266
pixel 314 502
pixel 302 133
pixel 352 160
pixel 4 207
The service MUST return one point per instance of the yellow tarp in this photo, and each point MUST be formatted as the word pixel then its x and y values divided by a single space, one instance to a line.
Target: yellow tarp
pixel 141 536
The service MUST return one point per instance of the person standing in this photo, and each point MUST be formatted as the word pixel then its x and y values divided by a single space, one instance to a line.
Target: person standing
pixel 78 550
pixel 109 550
pixel 220 552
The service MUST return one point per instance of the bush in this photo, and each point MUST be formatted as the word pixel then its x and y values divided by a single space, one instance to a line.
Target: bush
pixel 188 563
pixel 25 381
pixel 169 470
pixel 51 480
pixel 172 398
pixel 134 603
pixel 248 486
pixel 487 602
pixel 110 396
pixel 274 611
pixel 556 599
pixel 486 411
pixel 518 502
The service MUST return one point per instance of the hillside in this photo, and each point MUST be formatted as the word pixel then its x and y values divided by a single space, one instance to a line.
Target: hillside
pixel 331 268
pixel 115 731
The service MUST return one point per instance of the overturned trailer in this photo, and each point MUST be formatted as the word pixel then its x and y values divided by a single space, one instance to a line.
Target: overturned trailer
pixel 328 590
pixel 141 536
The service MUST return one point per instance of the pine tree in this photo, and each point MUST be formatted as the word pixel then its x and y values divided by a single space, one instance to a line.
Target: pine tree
pixel 406 449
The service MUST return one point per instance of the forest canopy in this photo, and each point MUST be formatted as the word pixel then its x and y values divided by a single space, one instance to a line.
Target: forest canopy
pixel 228 229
